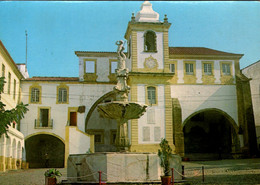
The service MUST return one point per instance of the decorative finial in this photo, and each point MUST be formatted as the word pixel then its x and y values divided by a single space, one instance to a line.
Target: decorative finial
pixel 133 17
pixel 165 18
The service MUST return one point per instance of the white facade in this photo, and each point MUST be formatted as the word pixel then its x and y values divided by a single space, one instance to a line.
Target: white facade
pixel 252 72
pixel 12 147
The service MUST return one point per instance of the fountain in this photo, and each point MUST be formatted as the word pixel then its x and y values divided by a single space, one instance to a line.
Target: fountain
pixel 122 166
pixel 121 110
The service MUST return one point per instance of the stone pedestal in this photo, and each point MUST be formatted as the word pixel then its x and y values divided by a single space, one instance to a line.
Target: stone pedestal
pixel 118 167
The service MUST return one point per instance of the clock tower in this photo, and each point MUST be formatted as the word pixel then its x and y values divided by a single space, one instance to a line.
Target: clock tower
pixel 148 63
pixel 147 38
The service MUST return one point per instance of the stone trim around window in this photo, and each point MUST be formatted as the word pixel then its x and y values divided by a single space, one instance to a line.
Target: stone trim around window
pixel 30 94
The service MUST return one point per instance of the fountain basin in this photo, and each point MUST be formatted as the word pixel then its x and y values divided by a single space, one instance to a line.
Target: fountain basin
pixel 118 167
pixel 121 110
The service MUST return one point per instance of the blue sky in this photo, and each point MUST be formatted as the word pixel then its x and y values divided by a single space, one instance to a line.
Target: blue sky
pixel 57 29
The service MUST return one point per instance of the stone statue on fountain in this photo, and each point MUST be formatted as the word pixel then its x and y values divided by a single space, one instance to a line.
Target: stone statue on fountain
pixel 122 110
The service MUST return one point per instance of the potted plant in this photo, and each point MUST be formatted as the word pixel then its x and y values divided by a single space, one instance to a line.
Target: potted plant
pixel 165 154
pixel 51 176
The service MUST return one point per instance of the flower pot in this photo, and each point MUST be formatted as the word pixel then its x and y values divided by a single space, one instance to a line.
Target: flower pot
pixel 50 181
pixel 166 180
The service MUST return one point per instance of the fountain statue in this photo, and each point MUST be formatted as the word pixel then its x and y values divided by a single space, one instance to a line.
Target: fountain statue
pixel 122 110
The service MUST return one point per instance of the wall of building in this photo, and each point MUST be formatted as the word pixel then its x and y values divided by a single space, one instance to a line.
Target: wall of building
pixel 141 55
pixel 194 98
pixel 252 72
pixel 11 148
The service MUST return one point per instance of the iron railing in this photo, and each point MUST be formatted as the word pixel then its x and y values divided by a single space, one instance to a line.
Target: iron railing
pixel 39 124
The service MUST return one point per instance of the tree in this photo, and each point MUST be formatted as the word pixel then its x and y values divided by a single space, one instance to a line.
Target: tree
pixel 8 116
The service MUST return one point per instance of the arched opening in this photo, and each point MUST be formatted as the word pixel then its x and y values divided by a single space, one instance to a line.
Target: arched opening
pixel 45 151
pixel 150 41
pixel 14 149
pixel 19 155
pixel 103 129
pixel 8 154
pixel 210 134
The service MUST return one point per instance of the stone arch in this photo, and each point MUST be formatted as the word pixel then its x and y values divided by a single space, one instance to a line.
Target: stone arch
pixel 103 129
pixel 19 154
pixel 47 133
pixel 94 106
pixel 45 150
pixel 210 134
pixel 8 153
pixel 217 110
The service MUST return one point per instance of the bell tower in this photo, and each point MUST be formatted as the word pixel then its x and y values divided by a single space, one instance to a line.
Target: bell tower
pixel 147 37
pixel 148 56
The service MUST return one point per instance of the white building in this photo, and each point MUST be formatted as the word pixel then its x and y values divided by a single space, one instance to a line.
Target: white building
pixel 195 98
pixel 11 147
pixel 252 72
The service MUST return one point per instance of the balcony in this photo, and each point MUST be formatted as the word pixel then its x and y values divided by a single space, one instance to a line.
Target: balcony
pixel 47 124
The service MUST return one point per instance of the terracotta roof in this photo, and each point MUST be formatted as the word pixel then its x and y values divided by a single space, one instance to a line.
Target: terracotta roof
pixel 40 78
pixel 197 51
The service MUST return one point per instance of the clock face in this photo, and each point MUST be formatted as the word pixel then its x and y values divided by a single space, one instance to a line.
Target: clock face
pixel 150 63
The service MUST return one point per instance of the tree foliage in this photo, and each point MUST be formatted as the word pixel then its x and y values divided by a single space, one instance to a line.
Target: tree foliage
pixel 8 116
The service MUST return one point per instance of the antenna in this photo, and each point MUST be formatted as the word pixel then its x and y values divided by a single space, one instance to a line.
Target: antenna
pixel 26 51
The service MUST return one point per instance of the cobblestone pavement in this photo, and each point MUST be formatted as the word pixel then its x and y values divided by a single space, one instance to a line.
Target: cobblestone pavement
pixel 232 172
pixel 235 171
pixel 27 177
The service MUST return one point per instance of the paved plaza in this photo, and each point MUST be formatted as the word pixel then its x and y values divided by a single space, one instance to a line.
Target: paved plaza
pixel 239 171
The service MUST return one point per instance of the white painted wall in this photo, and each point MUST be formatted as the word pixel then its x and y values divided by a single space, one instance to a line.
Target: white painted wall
pixel 79 94
pixel 158 111
pixel 102 70
pixel 198 97
pixel 199 70
pixel 79 142
pixel 141 55
pixel 253 72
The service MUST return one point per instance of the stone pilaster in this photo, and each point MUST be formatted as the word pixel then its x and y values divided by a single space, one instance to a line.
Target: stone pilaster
pixel 177 127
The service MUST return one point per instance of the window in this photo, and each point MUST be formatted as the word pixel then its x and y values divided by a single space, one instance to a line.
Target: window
pixel 146 133
pixel 112 137
pixel 98 138
pixel 35 95
pixel 44 118
pixel 90 67
pixel 3 70
pixel 113 67
pixel 150 41
pixel 157 134
pixel 226 69
pixel 9 83
pixel 14 89
pixel 207 69
pixel 189 68
pixel 151 95
pixel 73 118
pixel 62 95
pixel 172 68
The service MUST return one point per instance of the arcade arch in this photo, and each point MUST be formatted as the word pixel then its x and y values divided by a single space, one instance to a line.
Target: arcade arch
pixel 210 134
pixel 45 151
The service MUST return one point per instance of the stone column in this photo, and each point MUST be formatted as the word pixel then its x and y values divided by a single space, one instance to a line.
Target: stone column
pixel 122 140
